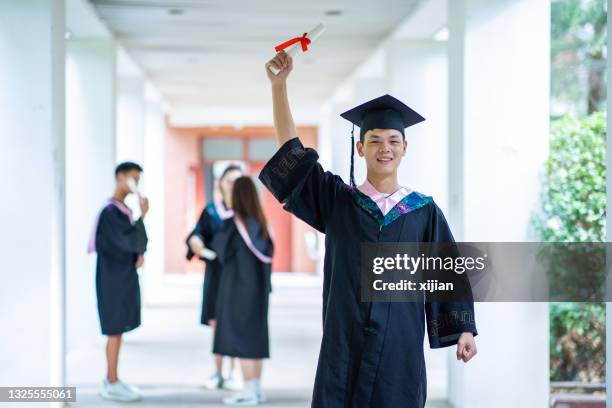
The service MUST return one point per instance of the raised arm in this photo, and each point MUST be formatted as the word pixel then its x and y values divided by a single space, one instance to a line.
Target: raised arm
pixel 283 120
pixel 293 175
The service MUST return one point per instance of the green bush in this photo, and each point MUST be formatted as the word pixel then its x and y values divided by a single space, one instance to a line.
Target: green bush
pixel 573 209
pixel 577 342
pixel 574 191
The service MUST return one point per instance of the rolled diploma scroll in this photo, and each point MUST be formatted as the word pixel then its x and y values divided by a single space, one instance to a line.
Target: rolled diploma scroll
pixel 295 48
pixel 208 254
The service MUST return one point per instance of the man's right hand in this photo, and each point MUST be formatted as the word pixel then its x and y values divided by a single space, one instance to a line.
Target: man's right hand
pixel 284 126
pixel 139 261
pixel 144 205
pixel 284 63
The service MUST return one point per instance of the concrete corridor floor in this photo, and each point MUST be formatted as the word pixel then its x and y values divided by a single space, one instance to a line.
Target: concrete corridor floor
pixel 168 358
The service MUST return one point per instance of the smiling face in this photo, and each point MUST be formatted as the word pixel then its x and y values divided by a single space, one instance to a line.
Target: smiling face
pixel 383 150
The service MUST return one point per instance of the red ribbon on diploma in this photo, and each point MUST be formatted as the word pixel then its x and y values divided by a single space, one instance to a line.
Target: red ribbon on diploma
pixel 303 40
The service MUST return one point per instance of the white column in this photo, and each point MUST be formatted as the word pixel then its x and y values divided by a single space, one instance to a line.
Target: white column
pixel 153 181
pixel 511 368
pixel 130 119
pixel 456 100
pixel 507 75
pixel 90 133
pixel 505 142
pixel 32 207
pixel 416 74
pixel 129 143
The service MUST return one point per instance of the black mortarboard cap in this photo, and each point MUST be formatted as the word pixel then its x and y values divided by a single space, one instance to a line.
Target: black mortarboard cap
pixel 384 112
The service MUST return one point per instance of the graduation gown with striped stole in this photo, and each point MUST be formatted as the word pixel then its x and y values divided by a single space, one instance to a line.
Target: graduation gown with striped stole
pixel 242 305
pixel 371 353
pixel 118 241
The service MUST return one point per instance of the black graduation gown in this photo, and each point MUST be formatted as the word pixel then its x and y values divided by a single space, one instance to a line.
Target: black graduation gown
pixel 374 361
pixel 118 244
pixel 206 227
pixel 242 305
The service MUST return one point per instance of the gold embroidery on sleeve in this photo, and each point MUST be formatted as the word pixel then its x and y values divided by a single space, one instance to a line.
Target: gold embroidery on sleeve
pixel 452 319
pixel 288 162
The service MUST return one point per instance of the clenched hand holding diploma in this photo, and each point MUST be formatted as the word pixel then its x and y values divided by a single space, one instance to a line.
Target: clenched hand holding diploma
pixel 293 46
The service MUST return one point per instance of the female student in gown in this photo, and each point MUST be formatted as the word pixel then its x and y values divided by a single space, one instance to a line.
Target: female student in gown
pixel 244 248
pixel 209 222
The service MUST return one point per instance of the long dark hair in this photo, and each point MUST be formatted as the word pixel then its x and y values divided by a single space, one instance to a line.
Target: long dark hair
pixel 245 203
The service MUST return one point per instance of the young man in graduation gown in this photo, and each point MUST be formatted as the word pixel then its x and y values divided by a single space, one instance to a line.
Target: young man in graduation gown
pixel 120 242
pixel 371 352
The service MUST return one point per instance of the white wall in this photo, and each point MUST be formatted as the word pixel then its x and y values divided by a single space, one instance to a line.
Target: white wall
pixel 32 179
pixel 511 367
pixel 130 119
pixel 506 116
pixel 153 181
pixel 90 162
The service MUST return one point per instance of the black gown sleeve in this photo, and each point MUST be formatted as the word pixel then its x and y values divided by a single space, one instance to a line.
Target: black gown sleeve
pixel 447 320
pixel 115 233
pixel 202 230
pixel 297 180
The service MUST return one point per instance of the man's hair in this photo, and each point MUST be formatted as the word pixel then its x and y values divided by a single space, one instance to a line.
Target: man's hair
pixel 127 166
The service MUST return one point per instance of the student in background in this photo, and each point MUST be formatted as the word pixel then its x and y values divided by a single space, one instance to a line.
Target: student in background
pixel 245 249
pixel 120 242
pixel 198 244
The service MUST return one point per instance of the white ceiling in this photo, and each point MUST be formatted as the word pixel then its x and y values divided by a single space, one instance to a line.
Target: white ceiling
pixel 213 52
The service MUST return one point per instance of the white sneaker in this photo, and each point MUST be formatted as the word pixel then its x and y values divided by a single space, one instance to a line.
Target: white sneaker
pixel 130 388
pixel 261 397
pixel 245 398
pixel 214 382
pixel 118 391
